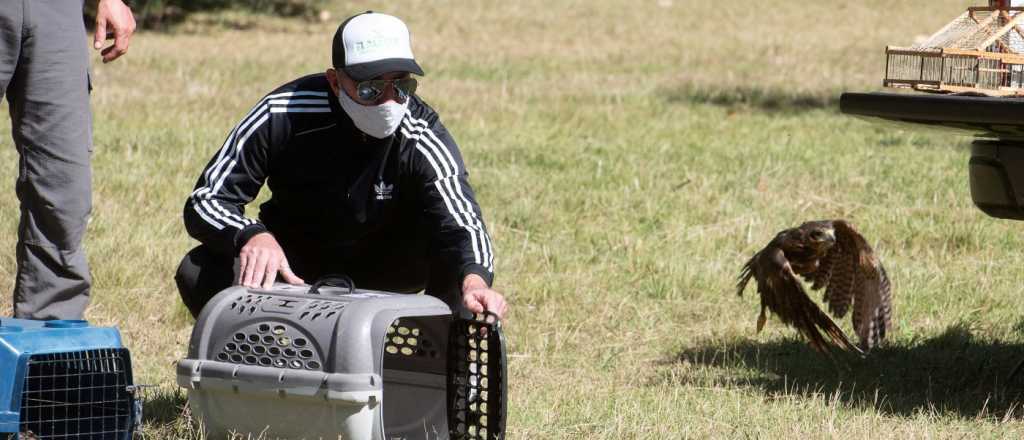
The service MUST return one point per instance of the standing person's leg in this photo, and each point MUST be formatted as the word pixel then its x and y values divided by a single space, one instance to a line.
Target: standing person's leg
pixel 10 42
pixel 52 127
pixel 11 19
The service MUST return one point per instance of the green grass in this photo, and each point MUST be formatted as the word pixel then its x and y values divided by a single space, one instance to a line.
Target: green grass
pixel 629 156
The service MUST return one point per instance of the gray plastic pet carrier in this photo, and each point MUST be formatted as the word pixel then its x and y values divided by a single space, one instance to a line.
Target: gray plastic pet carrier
pixel 341 363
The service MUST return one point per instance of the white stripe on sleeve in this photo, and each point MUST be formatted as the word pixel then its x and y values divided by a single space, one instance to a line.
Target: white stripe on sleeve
pixel 204 202
pixel 450 188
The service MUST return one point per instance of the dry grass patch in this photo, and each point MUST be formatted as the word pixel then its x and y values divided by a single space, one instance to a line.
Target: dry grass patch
pixel 628 156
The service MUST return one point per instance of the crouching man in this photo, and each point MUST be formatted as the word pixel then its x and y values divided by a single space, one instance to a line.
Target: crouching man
pixel 365 181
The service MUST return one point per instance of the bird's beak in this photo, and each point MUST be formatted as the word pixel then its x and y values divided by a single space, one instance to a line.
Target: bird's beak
pixel 830 235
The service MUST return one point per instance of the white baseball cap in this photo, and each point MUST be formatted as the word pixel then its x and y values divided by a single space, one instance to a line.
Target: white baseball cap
pixel 370 44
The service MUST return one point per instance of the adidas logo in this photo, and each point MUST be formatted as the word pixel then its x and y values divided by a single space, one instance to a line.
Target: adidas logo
pixel 383 190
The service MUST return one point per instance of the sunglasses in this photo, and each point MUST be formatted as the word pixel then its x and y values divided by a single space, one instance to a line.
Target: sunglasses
pixel 371 90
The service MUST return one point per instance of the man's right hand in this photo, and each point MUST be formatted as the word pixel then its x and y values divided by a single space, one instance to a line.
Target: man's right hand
pixel 260 260
pixel 113 20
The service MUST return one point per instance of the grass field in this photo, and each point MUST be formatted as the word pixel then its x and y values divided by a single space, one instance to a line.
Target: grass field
pixel 629 156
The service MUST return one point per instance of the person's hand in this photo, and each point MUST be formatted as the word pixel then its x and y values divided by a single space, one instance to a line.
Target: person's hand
pixel 113 18
pixel 260 260
pixel 477 297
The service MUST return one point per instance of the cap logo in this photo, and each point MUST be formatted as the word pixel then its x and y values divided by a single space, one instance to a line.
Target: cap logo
pixel 377 42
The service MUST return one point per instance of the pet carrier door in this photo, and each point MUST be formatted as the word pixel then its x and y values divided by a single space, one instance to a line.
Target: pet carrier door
pixel 65 380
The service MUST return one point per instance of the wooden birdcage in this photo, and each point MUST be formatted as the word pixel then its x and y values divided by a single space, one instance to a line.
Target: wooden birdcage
pixel 979 52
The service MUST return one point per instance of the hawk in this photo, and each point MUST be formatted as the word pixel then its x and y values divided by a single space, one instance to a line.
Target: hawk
pixel 831 255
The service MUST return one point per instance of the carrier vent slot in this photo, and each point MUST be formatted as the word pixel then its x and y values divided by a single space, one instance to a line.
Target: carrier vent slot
pixel 321 310
pixel 248 303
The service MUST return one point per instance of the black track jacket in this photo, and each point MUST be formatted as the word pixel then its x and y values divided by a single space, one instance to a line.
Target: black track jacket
pixel 332 186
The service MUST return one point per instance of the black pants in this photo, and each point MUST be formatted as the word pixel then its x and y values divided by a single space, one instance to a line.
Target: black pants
pixel 402 265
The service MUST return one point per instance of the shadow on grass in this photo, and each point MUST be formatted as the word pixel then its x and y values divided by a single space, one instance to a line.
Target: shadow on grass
pixel 768 100
pixel 163 407
pixel 953 373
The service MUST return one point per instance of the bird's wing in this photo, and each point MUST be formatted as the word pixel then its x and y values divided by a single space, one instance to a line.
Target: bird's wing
pixel 782 294
pixel 871 292
pixel 820 277
pixel 745 275
pixel 842 262
pixel 872 310
pixel 885 317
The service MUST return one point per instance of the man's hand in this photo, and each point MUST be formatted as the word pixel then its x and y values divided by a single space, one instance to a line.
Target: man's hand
pixel 113 18
pixel 260 260
pixel 477 297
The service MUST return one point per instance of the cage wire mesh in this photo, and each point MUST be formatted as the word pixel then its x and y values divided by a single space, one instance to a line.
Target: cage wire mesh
pixel 85 395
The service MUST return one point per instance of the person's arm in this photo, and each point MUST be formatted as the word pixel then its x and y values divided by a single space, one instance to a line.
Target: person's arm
pixel 458 224
pixel 114 20
pixel 215 212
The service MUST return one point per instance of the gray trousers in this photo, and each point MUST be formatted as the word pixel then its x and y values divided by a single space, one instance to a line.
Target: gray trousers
pixel 44 65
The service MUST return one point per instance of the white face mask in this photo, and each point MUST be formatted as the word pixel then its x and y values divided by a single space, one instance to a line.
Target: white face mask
pixel 379 121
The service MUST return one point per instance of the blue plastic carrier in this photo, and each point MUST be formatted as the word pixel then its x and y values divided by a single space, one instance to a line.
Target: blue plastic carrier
pixel 65 380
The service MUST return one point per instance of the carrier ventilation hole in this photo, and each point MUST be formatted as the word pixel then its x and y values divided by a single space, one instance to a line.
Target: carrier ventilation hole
pixel 407 341
pixel 268 350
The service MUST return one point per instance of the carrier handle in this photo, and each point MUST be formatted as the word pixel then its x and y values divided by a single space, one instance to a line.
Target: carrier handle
pixel 333 281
